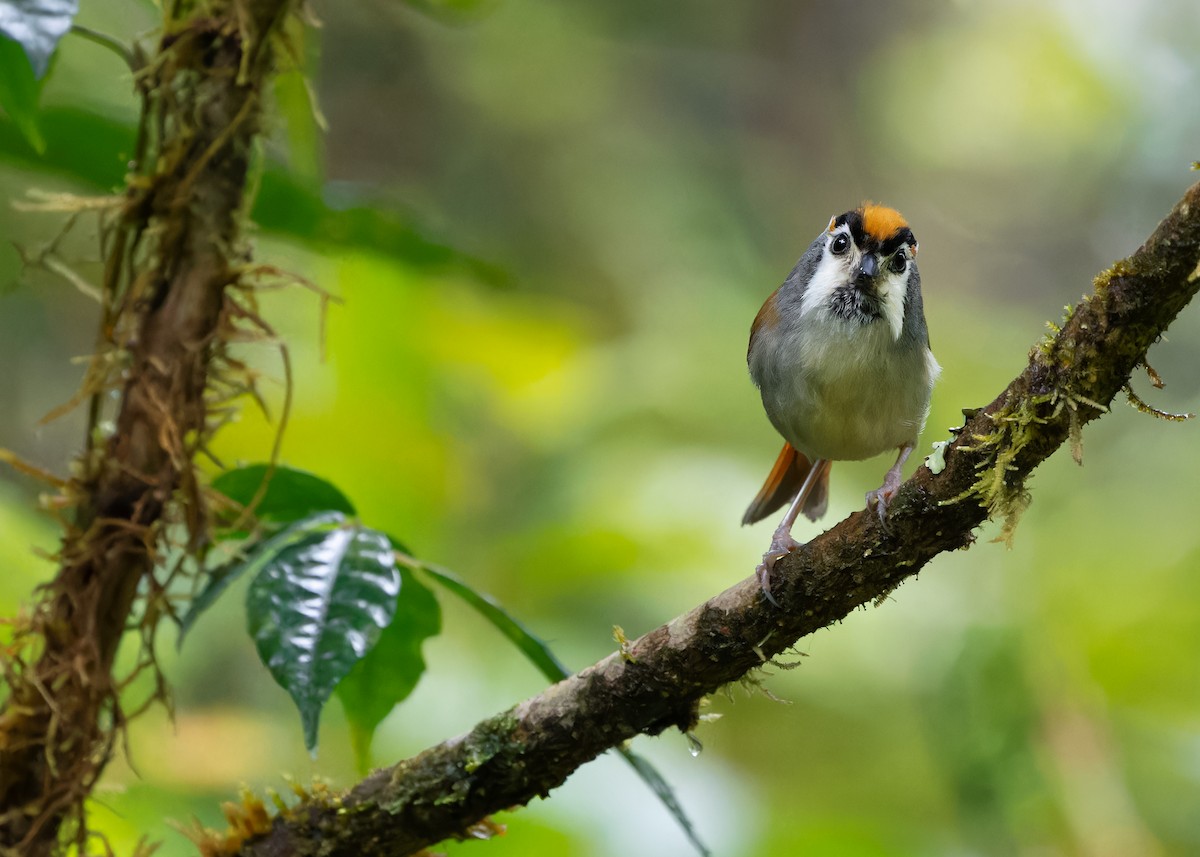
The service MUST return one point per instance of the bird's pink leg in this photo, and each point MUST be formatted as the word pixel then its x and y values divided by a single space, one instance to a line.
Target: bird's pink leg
pixel 782 542
pixel 881 496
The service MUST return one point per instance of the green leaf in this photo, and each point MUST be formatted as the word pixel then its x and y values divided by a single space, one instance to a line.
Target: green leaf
pixel 294 101
pixel 37 26
pixel 19 91
pixel 219 579
pixel 304 125
pixel 251 558
pixel 390 671
pixel 318 604
pixel 533 647
pixel 291 494
pixel 99 164
pixel 357 215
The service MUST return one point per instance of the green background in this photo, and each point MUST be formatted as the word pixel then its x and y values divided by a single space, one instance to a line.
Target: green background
pixel 551 225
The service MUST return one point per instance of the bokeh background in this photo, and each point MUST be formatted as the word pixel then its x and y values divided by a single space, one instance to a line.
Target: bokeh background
pixel 551 225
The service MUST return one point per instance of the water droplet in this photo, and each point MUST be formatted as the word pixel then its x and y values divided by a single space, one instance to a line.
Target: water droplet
pixel 694 745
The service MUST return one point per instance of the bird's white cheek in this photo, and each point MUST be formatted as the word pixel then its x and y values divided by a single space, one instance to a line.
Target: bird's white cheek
pixel 892 292
pixel 830 273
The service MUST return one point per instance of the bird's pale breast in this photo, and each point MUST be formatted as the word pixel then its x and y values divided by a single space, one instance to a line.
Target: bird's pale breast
pixel 842 391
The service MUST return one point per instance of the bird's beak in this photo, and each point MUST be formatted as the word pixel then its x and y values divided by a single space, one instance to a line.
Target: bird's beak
pixel 869 267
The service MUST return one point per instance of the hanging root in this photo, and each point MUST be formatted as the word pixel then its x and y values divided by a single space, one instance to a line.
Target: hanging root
pixel 175 295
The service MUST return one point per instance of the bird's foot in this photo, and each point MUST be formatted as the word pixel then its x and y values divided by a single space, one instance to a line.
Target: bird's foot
pixel 781 545
pixel 882 496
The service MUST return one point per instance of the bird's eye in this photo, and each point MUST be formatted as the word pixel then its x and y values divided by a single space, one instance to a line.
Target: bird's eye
pixel 840 244
pixel 899 263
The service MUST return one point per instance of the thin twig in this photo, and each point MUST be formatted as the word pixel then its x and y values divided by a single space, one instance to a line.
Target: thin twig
pixel 111 43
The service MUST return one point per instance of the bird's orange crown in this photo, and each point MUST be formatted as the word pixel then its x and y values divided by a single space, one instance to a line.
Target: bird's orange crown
pixel 881 222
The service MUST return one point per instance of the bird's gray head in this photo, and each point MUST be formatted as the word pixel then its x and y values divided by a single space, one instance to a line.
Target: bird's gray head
pixel 863 268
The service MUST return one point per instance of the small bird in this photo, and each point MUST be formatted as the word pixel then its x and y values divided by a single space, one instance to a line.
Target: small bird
pixel 840 353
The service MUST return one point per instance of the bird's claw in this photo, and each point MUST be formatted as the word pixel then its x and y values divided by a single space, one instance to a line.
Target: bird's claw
pixel 780 547
pixel 880 498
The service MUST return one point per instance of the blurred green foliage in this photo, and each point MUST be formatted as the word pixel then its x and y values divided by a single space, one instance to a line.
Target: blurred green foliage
pixel 551 226
pixel 19 93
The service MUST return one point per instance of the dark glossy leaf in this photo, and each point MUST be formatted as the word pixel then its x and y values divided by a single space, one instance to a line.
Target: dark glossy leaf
pixel 19 91
pixel 390 671
pixel 318 604
pixel 37 26
pixel 251 558
pixel 533 647
pixel 291 494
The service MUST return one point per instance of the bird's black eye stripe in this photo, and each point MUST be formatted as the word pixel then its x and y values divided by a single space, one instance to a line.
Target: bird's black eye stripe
pixel 840 244
pixel 899 262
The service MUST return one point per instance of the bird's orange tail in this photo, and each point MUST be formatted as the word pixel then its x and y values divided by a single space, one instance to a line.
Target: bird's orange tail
pixel 781 486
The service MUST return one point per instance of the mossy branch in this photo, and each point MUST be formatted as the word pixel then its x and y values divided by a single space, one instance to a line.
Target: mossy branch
pixel 658 680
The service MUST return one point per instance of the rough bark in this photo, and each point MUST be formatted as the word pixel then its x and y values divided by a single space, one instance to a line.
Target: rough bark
pixel 61 715
pixel 657 682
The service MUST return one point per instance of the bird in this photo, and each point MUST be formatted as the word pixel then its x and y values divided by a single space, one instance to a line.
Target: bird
pixel 840 354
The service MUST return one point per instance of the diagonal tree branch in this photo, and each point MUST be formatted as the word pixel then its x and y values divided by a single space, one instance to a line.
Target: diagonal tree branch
pixel 658 681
